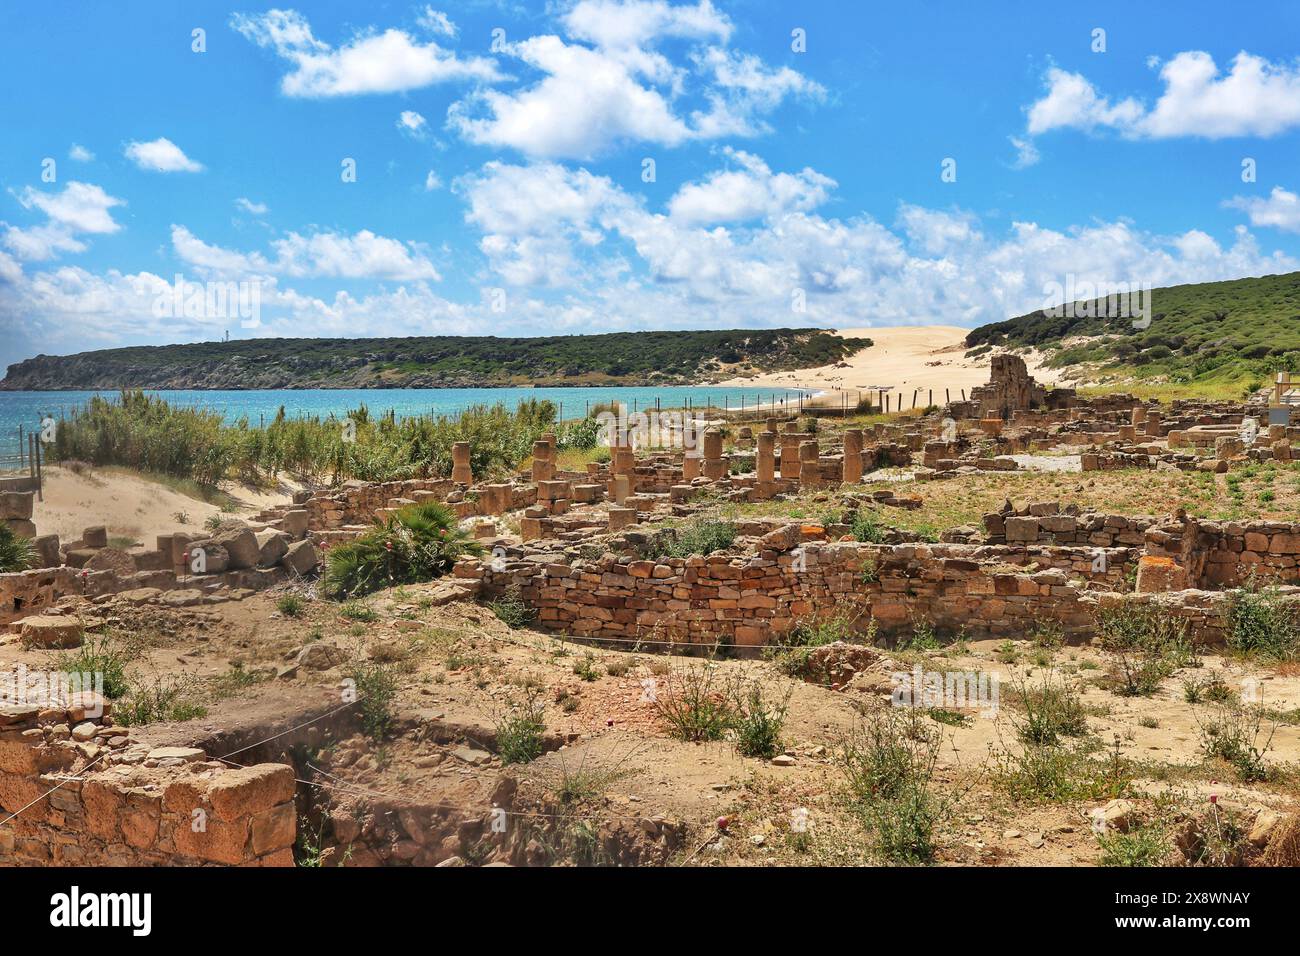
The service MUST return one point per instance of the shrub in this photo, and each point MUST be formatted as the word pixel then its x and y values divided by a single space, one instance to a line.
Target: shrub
pixel 1261 624
pixel 866 527
pixel 16 552
pixel 165 699
pixel 586 667
pixel 290 605
pixel 511 609
pixel 794 660
pixel 375 689
pixel 1147 844
pixel 888 763
pixel 1236 736
pixel 1053 709
pixel 1146 646
pixel 418 543
pixel 758 722
pixel 1050 773
pixel 106 656
pixel 520 731
pixel 702 536
pixel 694 704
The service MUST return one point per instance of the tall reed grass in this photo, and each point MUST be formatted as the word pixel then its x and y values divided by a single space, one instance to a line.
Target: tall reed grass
pixel 143 431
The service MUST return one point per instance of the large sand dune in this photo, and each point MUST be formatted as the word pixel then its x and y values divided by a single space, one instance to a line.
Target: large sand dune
pixel 902 358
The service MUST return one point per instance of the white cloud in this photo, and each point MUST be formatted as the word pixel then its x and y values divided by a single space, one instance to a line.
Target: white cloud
pixel 1026 152
pixel 619 89
pixel 745 87
pixel 613 24
pixel 215 260
pixel 587 103
pixel 80 153
pixel 749 192
pixel 413 124
pixel 252 208
pixel 432 182
pixel 549 226
pixel 321 254
pixel 161 156
pixel 437 22
pixel 81 208
pixel 363 255
pixel 1071 101
pixel 1254 98
pixel 1281 210
pixel 391 61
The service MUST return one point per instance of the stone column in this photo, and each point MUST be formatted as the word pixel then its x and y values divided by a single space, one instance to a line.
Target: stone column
pixel 809 472
pixel 1153 424
pixel 460 470
pixel 622 488
pixel 1138 415
pixel 852 468
pixel 690 466
pixel 765 460
pixel 543 466
pixel 715 466
pixel 790 456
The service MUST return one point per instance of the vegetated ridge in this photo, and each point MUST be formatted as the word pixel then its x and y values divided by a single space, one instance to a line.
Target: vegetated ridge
pixel 618 358
pixel 1234 333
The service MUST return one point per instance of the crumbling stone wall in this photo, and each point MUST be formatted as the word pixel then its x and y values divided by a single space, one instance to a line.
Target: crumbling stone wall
pixel 124 804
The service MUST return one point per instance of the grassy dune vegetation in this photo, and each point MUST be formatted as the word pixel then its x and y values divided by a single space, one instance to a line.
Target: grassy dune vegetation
pixel 144 432
pixel 1214 339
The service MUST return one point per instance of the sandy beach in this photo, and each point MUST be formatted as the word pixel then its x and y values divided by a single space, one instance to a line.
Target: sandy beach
pixel 901 359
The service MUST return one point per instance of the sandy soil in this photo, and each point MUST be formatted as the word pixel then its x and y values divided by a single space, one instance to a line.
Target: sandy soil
pixel 131 505
pixel 901 359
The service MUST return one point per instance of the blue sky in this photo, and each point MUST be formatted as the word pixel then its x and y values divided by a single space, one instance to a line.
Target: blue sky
pixel 500 152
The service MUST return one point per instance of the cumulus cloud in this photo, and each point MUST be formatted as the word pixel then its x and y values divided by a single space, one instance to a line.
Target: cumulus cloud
pixel 161 156
pixel 605 84
pixel 320 254
pixel 613 24
pixel 546 224
pixel 1281 210
pixel 372 61
pixel 79 209
pixel 1254 98
pixel 252 208
pixel 80 153
pixel 432 181
pixel 412 124
pixel 751 191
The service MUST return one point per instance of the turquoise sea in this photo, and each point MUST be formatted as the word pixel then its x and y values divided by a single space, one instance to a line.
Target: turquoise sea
pixel 26 409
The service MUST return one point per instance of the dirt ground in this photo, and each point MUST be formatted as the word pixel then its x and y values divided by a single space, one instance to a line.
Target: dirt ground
pixel 610 760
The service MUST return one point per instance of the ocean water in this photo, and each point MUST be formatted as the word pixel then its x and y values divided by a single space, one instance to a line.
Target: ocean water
pixel 26 409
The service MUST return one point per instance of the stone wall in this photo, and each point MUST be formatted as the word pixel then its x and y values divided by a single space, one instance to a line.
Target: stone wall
pixel 757 598
pixel 124 804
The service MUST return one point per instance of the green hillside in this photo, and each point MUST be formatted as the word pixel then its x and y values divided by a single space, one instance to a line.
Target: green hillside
pixel 619 358
pixel 1221 337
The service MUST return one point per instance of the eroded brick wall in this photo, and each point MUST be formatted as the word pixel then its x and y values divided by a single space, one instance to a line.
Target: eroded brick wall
pixel 119 803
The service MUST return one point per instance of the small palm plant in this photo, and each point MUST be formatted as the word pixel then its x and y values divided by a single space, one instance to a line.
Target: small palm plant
pixel 418 543
pixel 16 552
